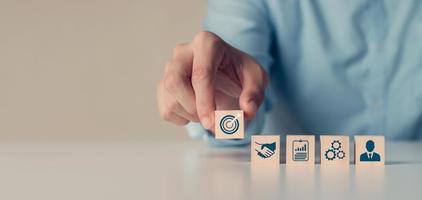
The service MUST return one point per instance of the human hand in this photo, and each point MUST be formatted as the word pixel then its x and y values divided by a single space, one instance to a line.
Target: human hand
pixel 208 74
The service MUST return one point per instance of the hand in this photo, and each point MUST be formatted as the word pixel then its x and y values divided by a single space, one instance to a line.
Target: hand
pixel 265 150
pixel 208 74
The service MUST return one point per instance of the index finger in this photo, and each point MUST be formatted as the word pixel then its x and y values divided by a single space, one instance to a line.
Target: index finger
pixel 207 58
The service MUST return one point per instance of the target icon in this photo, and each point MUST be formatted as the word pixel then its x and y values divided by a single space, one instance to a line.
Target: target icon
pixel 229 124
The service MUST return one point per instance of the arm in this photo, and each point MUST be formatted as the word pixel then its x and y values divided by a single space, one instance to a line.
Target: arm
pixel 245 26
pixel 189 91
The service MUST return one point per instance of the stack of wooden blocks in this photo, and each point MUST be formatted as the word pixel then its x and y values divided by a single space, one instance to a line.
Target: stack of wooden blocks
pixel 300 149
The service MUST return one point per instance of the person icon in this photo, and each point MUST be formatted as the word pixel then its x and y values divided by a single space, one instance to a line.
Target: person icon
pixel 370 155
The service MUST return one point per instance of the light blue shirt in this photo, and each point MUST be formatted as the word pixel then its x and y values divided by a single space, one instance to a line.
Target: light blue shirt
pixel 336 66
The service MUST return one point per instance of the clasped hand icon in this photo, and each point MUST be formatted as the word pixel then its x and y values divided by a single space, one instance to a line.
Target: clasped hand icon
pixel 265 150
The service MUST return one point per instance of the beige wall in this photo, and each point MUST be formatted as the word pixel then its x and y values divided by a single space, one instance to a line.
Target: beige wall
pixel 86 69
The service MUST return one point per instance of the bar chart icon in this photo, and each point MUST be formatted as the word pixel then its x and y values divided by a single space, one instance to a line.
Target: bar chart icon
pixel 300 150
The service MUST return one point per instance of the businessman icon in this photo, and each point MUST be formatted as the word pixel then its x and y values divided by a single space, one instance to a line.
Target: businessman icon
pixel 370 155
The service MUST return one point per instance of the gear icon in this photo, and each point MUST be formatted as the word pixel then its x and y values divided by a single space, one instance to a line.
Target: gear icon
pixel 341 154
pixel 336 145
pixel 330 154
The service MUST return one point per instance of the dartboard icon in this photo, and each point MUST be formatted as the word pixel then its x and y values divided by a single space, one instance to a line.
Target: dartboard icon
pixel 229 124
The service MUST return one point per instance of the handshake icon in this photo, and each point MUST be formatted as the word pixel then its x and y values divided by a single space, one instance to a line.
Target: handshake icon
pixel 265 150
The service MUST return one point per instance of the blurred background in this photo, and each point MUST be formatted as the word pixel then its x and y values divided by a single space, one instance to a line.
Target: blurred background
pixel 87 69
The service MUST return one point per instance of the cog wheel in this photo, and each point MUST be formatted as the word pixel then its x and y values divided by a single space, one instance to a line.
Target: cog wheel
pixel 336 145
pixel 330 154
pixel 341 154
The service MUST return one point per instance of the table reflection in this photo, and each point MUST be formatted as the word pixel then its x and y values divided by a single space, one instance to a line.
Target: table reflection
pixel 334 181
pixel 265 182
pixel 300 181
pixel 369 182
pixel 230 175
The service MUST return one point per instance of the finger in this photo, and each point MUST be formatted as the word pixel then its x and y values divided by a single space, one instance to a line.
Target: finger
pixel 166 107
pixel 178 109
pixel 226 85
pixel 207 57
pixel 170 102
pixel 177 77
pixel 176 119
pixel 254 81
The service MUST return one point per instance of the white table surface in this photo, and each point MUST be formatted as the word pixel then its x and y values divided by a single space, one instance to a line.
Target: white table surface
pixel 187 169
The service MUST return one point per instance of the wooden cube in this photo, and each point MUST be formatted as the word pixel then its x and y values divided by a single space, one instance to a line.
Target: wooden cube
pixel 265 149
pixel 300 150
pixel 229 124
pixel 369 150
pixel 334 150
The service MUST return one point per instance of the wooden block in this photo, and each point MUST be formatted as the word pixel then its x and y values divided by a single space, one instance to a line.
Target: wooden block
pixel 334 150
pixel 369 150
pixel 229 124
pixel 265 149
pixel 300 150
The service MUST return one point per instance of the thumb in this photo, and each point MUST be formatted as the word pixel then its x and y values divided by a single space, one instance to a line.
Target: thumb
pixel 254 82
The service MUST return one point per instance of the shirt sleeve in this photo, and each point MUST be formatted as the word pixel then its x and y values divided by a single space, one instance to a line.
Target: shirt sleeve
pixel 245 25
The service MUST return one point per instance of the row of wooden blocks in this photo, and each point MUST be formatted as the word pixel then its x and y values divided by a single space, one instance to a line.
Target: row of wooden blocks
pixel 300 149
